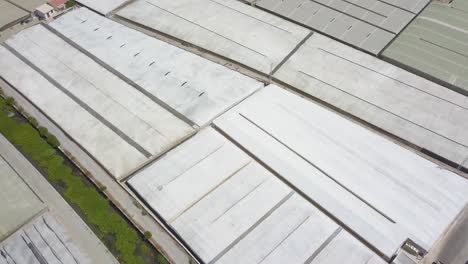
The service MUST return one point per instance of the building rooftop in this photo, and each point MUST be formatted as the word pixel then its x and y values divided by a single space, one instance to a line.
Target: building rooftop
pixel 45 8
pixel 233 210
pixel 102 6
pixel 297 172
pixel 435 44
pixel 234 170
pixel 381 94
pixel 123 128
pixel 140 100
pixel 228 28
pixel 367 24
pixel 43 240
pixel 381 191
pixel 196 88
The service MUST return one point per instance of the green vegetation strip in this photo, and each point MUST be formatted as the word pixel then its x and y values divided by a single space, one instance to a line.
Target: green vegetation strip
pixel 70 3
pixel 96 208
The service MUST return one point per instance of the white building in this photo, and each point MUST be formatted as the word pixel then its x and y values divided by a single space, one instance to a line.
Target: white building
pixel 45 11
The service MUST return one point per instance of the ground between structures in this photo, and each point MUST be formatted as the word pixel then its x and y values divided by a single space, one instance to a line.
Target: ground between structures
pixel 116 232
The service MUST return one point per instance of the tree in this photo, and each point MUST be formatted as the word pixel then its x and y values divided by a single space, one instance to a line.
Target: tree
pixel 70 3
pixel 33 122
pixel 52 140
pixel 43 131
pixel 147 235
pixel 10 101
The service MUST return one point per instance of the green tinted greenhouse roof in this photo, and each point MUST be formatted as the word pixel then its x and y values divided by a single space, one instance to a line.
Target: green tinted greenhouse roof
pixel 436 44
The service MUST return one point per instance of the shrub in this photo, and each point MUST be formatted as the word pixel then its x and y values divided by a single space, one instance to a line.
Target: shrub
pixel 147 235
pixel 33 122
pixel 10 101
pixel 145 249
pixel 43 131
pixel 102 188
pixel 52 140
pixel 70 3
pixel 163 260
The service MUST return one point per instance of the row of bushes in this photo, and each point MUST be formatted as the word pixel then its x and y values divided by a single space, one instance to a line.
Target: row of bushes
pixel 51 139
